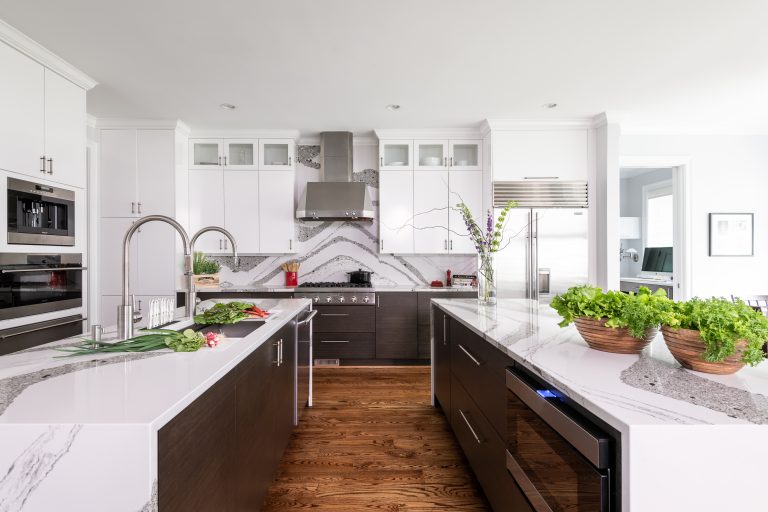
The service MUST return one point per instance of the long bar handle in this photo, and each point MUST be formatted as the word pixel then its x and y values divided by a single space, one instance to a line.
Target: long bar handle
pixel 308 318
pixel 48 269
pixel 469 426
pixel 445 329
pixel 334 341
pixel 469 355
pixel 28 331
pixel 534 496
pixel 334 314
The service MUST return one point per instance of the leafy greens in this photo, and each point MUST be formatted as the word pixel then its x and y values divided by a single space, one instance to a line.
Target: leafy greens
pixel 224 313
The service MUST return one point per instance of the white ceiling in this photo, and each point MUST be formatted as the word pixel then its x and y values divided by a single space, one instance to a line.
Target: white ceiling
pixel 319 65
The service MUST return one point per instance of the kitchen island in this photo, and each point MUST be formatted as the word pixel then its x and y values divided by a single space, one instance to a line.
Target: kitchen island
pixel 131 431
pixel 685 440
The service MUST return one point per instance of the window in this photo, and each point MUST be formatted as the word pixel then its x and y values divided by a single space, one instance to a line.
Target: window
pixel 659 216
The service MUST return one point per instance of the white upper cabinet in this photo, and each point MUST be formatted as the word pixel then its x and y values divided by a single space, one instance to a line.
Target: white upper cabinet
pixel 42 126
pixel 22 122
pixel 241 210
pixel 430 212
pixel 155 168
pixel 465 155
pixel 206 154
pixel 206 208
pixel 241 154
pixel 395 155
pixel 430 155
pixel 117 173
pixel 396 212
pixel 544 154
pixel 276 212
pixel 64 130
pixel 276 154
pixel 466 187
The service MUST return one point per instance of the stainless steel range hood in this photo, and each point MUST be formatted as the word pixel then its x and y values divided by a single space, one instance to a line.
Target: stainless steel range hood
pixel 336 196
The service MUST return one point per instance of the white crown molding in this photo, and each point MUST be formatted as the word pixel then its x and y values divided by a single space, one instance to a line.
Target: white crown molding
pixel 520 124
pixel 427 133
pixel 47 58
pixel 91 121
pixel 244 134
pixel 118 123
pixel 668 129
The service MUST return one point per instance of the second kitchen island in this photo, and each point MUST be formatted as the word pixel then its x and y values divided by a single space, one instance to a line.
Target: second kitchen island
pixel 175 431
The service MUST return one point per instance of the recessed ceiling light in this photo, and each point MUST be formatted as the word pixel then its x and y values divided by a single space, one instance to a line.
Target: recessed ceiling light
pixel 227 106
pixel 393 107
pixel 550 105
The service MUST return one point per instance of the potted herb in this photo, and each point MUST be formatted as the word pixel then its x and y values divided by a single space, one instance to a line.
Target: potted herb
pixel 614 321
pixel 205 271
pixel 716 335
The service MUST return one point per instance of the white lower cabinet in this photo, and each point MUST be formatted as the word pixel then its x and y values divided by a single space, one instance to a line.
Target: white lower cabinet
pixel 241 209
pixel 112 231
pixel 430 220
pixel 206 208
pixel 276 212
pixel 466 187
pixel 396 212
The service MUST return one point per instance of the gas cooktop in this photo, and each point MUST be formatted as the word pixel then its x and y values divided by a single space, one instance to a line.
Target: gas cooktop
pixel 335 284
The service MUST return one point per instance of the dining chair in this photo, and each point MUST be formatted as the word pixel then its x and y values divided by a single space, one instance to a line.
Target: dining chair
pixel 757 302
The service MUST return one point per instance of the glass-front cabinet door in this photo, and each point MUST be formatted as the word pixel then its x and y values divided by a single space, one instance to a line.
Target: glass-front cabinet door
pixel 205 153
pixel 241 154
pixel 276 154
pixel 396 155
pixel 466 155
pixel 430 155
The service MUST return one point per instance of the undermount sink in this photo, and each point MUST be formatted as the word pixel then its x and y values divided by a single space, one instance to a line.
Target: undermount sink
pixel 238 330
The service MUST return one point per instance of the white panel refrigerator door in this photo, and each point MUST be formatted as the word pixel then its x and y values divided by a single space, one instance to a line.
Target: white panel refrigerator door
pixel 510 261
pixel 562 249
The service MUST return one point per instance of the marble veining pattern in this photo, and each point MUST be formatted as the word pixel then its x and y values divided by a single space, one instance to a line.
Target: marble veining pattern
pixel 151 505
pixel 669 379
pixel 327 250
pixel 34 464
pixel 12 387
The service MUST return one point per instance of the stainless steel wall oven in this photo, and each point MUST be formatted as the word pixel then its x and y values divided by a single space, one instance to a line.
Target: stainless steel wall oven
pixel 40 214
pixel 31 284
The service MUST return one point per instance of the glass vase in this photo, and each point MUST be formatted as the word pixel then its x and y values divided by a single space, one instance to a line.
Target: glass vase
pixel 486 279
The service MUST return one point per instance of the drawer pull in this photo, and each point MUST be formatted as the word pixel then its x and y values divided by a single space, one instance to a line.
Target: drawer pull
pixel 334 341
pixel 334 314
pixel 469 426
pixel 534 496
pixel 474 360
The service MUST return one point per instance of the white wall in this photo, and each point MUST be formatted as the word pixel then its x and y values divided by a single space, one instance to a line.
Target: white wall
pixel 729 173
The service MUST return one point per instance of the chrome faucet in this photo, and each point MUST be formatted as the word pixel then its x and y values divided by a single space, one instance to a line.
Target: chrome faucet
pixel 192 294
pixel 125 312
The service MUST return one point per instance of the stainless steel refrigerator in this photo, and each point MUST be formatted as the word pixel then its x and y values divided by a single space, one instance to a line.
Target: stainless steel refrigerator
pixel 547 250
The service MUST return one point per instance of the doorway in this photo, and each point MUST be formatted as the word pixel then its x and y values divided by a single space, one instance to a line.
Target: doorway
pixel 653 226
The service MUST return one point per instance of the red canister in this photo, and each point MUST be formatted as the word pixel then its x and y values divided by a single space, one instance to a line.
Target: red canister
pixel 291 279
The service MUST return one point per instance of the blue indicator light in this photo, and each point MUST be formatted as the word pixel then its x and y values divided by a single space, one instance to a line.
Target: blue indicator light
pixel 546 393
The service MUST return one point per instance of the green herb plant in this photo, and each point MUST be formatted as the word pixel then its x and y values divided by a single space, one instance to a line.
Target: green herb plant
pixel 158 339
pixel 201 265
pixel 636 312
pixel 224 313
pixel 721 323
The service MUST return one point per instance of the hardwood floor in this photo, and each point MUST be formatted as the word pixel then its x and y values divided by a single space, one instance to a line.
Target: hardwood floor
pixel 372 441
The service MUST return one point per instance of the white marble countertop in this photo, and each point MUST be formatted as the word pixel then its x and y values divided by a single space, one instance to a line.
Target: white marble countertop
pixel 246 288
pixel 625 390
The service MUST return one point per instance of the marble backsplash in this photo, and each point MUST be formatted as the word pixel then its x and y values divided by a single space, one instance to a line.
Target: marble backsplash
pixel 327 250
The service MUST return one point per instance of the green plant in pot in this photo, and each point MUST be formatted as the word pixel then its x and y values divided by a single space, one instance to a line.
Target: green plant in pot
pixel 613 321
pixel 716 335
pixel 205 271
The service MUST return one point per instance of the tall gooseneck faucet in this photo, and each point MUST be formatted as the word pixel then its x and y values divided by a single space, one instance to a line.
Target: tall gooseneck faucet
pixel 192 294
pixel 125 312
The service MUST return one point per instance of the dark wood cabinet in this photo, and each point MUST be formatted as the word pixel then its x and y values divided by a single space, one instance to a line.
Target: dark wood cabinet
pixel 423 308
pixel 221 452
pixel 396 325
pixel 442 361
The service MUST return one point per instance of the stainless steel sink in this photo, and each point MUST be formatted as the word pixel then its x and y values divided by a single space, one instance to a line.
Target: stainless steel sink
pixel 238 330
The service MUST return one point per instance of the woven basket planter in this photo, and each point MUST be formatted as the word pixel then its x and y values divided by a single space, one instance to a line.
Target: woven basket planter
pixel 688 349
pixel 612 339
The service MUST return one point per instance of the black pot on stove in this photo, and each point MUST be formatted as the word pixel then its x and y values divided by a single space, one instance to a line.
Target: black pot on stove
pixel 360 276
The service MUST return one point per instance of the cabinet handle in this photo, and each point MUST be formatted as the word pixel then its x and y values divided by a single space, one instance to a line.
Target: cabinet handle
pixel 133 207
pixel 280 351
pixel 378 301
pixel 42 164
pixel 139 204
pixel 445 245
pixel 381 161
pixel 381 242
pixel 445 330
pixel 289 161
pixel 219 161
pixel 225 161
pixel 334 314
pixel 276 362
pixel 450 245
pixel 469 426
pixel 139 308
pixel 451 161
pixel 50 166
pixel 226 244
pixel 220 244
pixel 334 341
pixel 445 161
pixel 290 244
pixel 474 360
